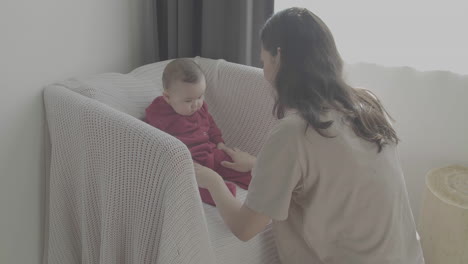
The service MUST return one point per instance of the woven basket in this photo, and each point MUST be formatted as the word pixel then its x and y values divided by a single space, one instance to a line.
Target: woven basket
pixel 444 216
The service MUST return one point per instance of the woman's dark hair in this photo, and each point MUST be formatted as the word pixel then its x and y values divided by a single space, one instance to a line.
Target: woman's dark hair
pixel 310 78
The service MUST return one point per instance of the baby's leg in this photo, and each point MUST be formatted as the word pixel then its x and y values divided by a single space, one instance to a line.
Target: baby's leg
pixel 204 158
pixel 206 196
pixel 242 179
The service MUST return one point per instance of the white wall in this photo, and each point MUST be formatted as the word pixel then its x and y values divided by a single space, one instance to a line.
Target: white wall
pixel 42 42
pixel 431 116
pixel 424 34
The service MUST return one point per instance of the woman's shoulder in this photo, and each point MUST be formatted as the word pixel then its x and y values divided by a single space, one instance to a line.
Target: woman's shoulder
pixel 294 125
pixel 291 125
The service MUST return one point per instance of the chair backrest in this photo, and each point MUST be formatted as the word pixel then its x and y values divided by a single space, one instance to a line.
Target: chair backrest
pixel 240 101
pixel 124 92
pixel 238 98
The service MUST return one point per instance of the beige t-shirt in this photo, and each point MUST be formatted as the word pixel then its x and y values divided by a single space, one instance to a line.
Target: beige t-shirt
pixel 333 200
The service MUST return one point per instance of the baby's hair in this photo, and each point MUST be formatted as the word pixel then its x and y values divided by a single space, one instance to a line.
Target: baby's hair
pixel 182 69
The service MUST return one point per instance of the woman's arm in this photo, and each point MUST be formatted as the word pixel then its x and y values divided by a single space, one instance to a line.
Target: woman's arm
pixel 243 222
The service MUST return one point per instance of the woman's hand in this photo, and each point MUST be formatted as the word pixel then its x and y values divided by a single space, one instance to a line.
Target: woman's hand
pixel 242 161
pixel 242 221
pixel 221 145
pixel 206 177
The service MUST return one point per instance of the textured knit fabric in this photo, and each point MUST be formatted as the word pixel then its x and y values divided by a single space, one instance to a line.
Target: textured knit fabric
pixel 112 177
pixel 229 250
pixel 333 200
pixel 121 191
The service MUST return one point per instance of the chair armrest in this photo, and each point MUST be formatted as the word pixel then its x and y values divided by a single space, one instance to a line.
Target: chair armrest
pixel 120 190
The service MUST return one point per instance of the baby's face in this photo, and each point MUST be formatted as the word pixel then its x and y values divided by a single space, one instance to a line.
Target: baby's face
pixel 186 98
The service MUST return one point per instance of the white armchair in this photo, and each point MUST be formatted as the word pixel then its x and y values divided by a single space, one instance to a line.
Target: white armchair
pixel 122 191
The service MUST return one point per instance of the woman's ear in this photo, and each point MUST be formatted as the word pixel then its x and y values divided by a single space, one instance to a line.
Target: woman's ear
pixel 166 96
pixel 278 57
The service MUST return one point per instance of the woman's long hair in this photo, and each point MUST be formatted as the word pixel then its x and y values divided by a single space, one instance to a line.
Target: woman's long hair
pixel 310 78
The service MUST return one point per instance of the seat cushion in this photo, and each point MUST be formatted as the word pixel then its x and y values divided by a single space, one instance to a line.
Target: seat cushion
pixel 228 249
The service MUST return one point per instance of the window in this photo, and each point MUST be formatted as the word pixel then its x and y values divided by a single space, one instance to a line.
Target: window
pixel 425 35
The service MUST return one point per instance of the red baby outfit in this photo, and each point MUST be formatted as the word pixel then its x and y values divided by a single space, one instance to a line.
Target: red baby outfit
pixel 201 135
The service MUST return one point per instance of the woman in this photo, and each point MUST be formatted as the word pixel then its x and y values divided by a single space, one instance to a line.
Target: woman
pixel 328 175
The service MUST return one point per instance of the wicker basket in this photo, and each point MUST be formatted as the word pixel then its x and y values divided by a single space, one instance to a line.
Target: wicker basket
pixel 444 216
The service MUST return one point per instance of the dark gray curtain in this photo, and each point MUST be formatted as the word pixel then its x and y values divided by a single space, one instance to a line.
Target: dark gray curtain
pixel 217 29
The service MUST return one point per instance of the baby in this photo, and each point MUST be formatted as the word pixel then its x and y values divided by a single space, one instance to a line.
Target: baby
pixel 182 112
